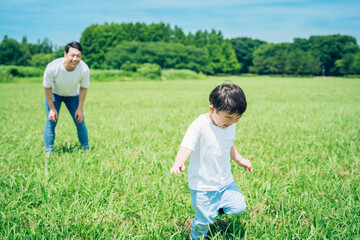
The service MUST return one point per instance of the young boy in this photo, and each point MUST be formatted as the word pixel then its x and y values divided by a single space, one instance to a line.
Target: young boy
pixel 209 141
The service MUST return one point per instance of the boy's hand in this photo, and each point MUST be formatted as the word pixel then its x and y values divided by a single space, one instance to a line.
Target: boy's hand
pixel 177 168
pixel 181 157
pixel 246 164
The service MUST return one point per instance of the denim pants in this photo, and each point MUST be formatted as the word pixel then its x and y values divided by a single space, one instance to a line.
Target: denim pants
pixel 208 203
pixel 49 132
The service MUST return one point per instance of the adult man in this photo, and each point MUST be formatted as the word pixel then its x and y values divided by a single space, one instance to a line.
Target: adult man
pixel 62 78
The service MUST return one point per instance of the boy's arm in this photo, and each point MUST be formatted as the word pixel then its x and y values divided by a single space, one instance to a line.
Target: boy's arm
pixel 182 155
pixel 240 160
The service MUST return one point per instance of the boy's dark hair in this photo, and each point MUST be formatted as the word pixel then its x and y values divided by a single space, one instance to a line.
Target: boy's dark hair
pixel 228 97
pixel 73 45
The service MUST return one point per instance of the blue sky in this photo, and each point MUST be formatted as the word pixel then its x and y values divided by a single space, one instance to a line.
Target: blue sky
pixel 269 20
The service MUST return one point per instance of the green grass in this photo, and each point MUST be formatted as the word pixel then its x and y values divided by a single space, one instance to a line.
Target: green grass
pixel 302 136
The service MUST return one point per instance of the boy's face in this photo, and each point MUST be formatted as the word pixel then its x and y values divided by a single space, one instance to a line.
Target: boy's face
pixel 223 119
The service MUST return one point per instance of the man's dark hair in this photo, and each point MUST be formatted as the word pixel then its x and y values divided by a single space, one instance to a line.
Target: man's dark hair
pixel 228 97
pixel 73 45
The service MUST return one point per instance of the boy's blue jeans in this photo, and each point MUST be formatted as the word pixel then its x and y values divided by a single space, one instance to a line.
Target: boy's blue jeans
pixel 208 203
pixel 49 132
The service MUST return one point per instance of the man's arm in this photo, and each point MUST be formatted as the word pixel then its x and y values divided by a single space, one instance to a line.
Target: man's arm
pixel 182 155
pixel 234 154
pixel 53 114
pixel 79 114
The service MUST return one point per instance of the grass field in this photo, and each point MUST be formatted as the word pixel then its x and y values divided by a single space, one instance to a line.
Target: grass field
pixel 302 136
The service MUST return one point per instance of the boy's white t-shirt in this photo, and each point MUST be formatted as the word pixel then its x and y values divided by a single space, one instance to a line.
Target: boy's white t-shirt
pixel 209 167
pixel 66 83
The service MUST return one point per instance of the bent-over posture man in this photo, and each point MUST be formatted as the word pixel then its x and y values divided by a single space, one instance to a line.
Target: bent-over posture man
pixel 62 78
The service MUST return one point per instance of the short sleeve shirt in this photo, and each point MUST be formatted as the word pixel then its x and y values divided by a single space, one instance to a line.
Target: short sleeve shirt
pixel 209 167
pixel 66 83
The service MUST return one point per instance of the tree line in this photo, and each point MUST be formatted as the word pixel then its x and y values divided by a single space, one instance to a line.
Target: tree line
pixel 125 45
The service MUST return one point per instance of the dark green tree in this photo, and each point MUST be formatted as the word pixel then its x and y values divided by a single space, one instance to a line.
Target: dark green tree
pixel 244 48
pixel 356 64
pixel 99 40
pixel 283 58
pixel 229 61
pixel 331 48
pixel 13 53
pixel 264 59
pixel 199 39
pixel 215 52
pixel 95 44
pixel 301 43
pixel 346 65
pixel 159 32
pixel 300 62
pixel 179 36
pixel 166 55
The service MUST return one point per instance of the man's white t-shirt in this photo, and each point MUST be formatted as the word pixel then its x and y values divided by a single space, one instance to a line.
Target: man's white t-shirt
pixel 209 167
pixel 66 83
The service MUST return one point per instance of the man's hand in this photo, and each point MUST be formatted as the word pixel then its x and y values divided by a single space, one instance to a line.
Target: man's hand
pixel 79 116
pixel 177 168
pixel 53 115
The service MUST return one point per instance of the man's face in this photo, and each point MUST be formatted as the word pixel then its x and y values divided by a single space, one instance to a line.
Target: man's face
pixel 73 58
pixel 223 119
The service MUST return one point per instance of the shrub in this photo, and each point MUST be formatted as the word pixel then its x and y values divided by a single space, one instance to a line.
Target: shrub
pixel 110 75
pixel 174 74
pixel 149 70
pixel 27 71
pixel 7 73
pixel 128 66
pixel 42 59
